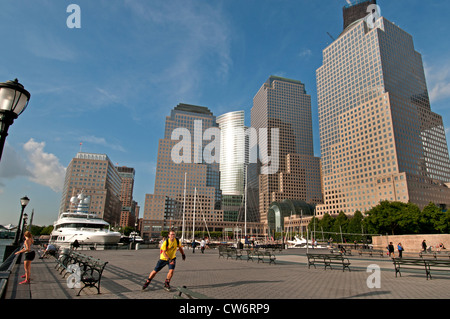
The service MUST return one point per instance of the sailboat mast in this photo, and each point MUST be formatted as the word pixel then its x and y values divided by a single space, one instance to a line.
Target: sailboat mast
pixel 193 216
pixel 184 207
pixel 245 203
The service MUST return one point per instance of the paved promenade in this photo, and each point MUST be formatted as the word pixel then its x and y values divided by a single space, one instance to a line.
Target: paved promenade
pixel 237 280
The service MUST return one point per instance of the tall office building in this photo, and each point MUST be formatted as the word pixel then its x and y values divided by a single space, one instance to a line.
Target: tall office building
pixel 283 104
pixel 128 214
pixel 97 177
pixel 379 138
pixel 186 157
pixel 178 165
pixel 232 164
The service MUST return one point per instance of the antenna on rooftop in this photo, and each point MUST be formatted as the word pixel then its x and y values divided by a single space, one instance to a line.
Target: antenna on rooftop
pixel 330 36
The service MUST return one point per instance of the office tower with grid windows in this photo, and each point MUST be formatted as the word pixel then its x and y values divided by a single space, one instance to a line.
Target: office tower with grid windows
pixel 379 138
pixel 98 178
pixel 283 104
pixel 164 208
pixel 128 215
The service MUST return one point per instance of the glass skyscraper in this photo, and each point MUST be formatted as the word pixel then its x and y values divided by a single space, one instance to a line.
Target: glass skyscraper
pixel 379 138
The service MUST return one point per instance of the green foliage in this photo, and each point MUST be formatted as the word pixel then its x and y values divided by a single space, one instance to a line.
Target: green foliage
pixel 398 218
pixel 40 230
pixel 394 218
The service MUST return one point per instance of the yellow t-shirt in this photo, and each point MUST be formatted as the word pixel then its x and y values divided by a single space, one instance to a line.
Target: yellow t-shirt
pixel 171 251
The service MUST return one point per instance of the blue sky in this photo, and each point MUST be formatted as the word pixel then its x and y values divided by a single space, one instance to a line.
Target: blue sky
pixel 111 83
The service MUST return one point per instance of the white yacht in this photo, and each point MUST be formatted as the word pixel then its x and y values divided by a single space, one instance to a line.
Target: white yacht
pixel 302 243
pixel 134 237
pixel 82 226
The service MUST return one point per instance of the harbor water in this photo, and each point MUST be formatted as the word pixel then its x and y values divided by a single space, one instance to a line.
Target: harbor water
pixel 3 244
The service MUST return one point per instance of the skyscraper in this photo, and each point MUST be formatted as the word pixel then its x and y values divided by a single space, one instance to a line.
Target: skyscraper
pixel 283 104
pixel 168 202
pixel 128 214
pixel 379 138
pixel 232 163
pixel 97 177
pixel 186 157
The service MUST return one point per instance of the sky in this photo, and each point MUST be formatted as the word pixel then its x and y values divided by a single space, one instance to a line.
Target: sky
pixel 110 81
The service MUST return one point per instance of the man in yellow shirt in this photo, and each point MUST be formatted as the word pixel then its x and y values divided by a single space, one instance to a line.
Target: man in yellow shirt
pixel 167 257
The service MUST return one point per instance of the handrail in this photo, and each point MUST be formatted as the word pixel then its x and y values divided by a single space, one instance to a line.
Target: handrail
pixel 5 271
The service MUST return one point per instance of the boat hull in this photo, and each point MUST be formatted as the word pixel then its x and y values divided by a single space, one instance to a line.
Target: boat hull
pixel 101 238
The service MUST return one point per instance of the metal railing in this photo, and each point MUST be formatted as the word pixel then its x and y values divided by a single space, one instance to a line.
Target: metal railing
pixel 5 270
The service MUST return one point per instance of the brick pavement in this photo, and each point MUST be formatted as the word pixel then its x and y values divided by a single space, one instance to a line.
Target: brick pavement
pixel 288 279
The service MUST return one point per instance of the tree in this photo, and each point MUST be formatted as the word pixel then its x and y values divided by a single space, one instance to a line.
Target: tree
pixel 354 226
pixel 393 218
pixel 433 220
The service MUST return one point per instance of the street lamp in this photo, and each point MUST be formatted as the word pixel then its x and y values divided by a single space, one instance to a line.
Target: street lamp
pixel 13 101
pixel 23 202
pixel 24 225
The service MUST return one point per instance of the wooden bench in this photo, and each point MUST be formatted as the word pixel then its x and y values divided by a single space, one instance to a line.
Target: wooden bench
pixel 265 254
pixel 91 273
pixel 420 263
pixel 234 253
pixel 222 251
pixel 370 252
pixel 435 254
pixel 82 269
pixel 63 261
pixel 328 260
pixel 189 294
pixel 250 254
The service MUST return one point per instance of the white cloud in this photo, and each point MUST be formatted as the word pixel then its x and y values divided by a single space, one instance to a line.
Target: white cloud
pixel 195 43
pixel 45 167
pixel 102 141
pixel 305 53
pixel 438 78
pixel 12 166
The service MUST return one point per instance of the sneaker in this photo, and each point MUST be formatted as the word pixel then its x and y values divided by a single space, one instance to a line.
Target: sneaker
pixel 167 286
pixel 24 282
pixel 146 284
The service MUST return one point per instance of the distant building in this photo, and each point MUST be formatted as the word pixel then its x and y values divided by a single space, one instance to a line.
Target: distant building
pixel 97 177
pixel 128 214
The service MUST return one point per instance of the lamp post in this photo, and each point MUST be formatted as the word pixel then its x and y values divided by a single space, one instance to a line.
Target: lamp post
pixel 11 248
pixel 23 202
pixel 24 225
pixel 13 101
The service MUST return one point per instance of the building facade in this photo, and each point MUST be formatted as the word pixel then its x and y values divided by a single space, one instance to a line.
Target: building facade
pixel 187 193
pixel 379 138
pixel 283 104
pixel 128 213
pixel 97 177
pixel 232 164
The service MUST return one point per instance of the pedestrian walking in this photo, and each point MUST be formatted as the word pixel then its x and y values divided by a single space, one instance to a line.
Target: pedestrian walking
pixel 424 246
pixel 168 257
pixel 29 257
pixel 202 246
pixel 391 250
pixel 400 250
